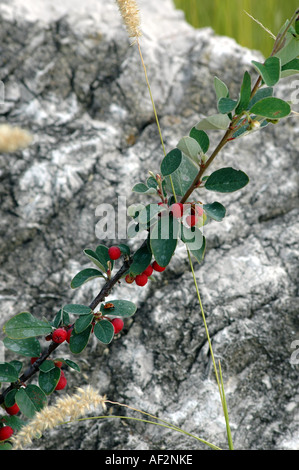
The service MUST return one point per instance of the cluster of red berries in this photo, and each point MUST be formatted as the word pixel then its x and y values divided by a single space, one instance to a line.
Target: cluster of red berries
pixel 177 210
pixel 141 279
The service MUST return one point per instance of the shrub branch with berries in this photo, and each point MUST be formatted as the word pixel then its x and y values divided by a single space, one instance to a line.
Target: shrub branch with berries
pixel 173 213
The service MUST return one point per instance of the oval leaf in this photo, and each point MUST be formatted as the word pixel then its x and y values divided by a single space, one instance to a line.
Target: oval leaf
pixel 143 189
pixel 48 380
pixel 271 108
pixel 215 210
pixel 104 331
pixel 171 162
pixel 220 88
pixel 244 94
pixel 226 180
pixel 78 341
pixel 84 276
pixel 30 400
pixel 216 122
pixel 83 322
pixel 141 260
pixel 24 325
pixel 201 138
pixel 29 347
pixel 163 239
pixel 8 373
pixel 77 309
pixel 226 105
pixel 122 308
pixel 269 71
pixel 190 147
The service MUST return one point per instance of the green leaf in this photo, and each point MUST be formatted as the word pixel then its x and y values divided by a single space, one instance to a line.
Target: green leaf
pixel 269 71
pixel 24 325
pixel 48 380
pixel 171 162
pixel 199 253
pixel 72 364
pixel 192 237
pixel 77 309
pixel 104 331
pixel 214 122
pixel 201 138
pixel 244 94
pixel 13 421
pixel 17 365
pixel 29 347
pixel 9 399
pixel 99 257
pixel 226 105
pixel 5 445
pixel 149 213
pixel 141 260
pixel 152 182
pixel 291 68
pixel 215 210
pixel 83 322
pixel 103 257
pixel 183 177
pixel 84 276
pixel 125 249
pixel 297 25
pixel 57 319
pixel 78 341
pixel 122 308
pixel 290 50
pixel 271 108
pixel 163 239
pixel 264 92
pixel 220 88
pixel 30 400
pixel 190 147
pixel 226 180
pixel 143 189
pixel 8 373
pixel 46 366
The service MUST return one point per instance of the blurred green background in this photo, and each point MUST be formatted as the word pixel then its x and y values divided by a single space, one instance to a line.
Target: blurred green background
pixel 227 18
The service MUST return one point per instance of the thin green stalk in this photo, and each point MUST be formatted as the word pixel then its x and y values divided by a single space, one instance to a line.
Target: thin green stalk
pixel 220 387
pixel 173 428
pixel 155 112
pixel 225 409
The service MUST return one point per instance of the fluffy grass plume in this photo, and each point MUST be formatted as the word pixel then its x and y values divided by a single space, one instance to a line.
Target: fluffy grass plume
pixel 131 17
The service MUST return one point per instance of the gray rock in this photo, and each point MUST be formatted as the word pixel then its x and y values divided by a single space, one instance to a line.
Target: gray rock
pixel 72 79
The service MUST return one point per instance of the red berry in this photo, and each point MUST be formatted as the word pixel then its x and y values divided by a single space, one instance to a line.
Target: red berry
pixel 157 267
pixel 129 279
pixel 141 279
pixel 33 359
pixel 12 410
pixel 114 252
pixel 198 210
pixel 5 433
pixel 177 210
pixel 58 364
pixel 148 271
pixel 59 335
pixel 191 220
pixel 68 334
pixel 118 324
pixel 62 382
